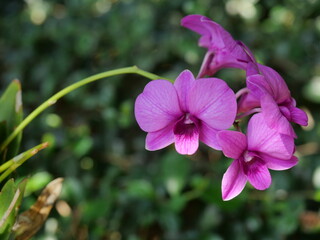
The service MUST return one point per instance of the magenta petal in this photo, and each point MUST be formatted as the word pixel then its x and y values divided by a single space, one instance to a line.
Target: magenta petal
pixel 186 137
pixel 157 106
pixel 274 117
pixel 261 138
pixel 298 116
pixel 248 52
pixel 279 88
pixel 183 85
pixel 257 85
pixel 205 66
pixel 195 23
pixel 233 181
pixel 252 69
pixel 160 139
pixel 208 136
pixel 279 164
pixel 233 143
pixel 225 59
pixel 212 101
pixel 247 102
pixel 258 175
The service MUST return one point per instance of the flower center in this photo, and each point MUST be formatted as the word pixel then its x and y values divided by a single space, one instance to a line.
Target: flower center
pixel 186 125
pixel 248 156
pixel 187 119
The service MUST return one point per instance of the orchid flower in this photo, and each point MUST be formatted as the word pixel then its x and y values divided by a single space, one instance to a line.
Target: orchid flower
pixel 185 112
pixel 261 149
pixel 268 90
pixel 223 50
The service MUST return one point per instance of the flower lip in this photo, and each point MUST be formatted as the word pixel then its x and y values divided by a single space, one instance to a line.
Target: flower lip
pixel 186 125
pixel 186 133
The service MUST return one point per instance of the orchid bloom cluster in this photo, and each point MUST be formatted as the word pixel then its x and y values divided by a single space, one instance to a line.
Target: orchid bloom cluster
pixel 204 108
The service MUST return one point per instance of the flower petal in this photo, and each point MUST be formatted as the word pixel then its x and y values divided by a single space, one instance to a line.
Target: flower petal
pixel 248 52
pixel 157 106
pixel 298 116
pixel 233 181
pixel 247 102
pixel 257 85
pixel 279 88
pixel 160 139
pixel 186 137
pixel 261 138
pixel 194 23
pixel 212 101
pixel 279 164
pixel 274 117
pixel 208 136
pixel 183 85
pixel 233 143
pixel 258 175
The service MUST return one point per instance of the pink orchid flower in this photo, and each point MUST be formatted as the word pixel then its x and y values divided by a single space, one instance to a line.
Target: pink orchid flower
pixel 261 149
pixel 223 50
pixel 185 112
pixel 268 90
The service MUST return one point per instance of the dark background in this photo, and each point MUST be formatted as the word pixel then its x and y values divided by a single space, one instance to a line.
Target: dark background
pixel 116 189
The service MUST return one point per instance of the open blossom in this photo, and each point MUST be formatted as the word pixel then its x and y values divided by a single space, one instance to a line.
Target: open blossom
pixel 261 149
pixel 223 50
pixel 268 90
pixel 185 112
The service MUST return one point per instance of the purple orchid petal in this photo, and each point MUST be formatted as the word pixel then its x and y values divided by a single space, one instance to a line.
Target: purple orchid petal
pixel 279 88
pixel 258 175
pixel 247 102
pixel 248 52
pixel 212 101
pixel 220 38
pixel 205 66
pixel 223 50
pixel 279 164
pixel 233 143
pixel 160 139
pixel 298 116
pixel 233 181
pixel 186 136
pixel 157 106
pixel 226 59
pixel 274 117
pixel 261 138
pixel 208 136
pixel 252 69
pixel 257 85
pixel 195 23
pixel 183 84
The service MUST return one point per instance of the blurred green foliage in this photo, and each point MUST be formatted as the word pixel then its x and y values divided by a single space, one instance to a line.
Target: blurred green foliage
pixel 114 187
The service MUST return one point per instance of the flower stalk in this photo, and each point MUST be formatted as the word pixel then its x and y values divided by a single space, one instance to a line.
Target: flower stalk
pixel 52 100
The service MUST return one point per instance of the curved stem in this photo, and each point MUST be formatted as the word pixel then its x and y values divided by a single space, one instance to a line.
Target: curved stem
pixel 254 110
pixel 52 100
pixel 241 92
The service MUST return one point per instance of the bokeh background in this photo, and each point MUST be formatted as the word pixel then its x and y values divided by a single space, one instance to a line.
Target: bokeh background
pixel 115 189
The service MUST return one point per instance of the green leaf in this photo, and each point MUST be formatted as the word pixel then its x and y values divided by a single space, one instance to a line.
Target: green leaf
pixel 17 161
pixel 10 199
pixel 141 189
pixel 10 117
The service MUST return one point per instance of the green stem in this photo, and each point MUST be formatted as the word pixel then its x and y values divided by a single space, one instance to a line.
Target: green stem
pixel 52 100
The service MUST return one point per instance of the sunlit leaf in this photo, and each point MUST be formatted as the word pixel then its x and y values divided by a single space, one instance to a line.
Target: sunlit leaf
pixel 10 200
pixel 17 161
pixel 10 117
